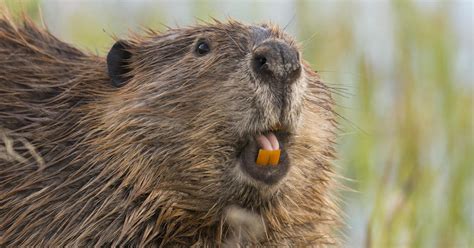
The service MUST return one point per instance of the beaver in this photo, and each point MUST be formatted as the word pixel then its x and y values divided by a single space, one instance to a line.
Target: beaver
pixel 155 144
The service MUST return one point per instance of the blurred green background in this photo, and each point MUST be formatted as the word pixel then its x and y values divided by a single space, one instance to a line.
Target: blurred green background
pixel 404 73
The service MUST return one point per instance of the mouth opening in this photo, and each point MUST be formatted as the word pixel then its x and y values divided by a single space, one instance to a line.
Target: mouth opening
pixel 264 157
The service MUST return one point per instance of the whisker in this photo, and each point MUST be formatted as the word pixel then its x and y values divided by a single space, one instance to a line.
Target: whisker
pixel 305 42
pixel 291 20
pixel 316 99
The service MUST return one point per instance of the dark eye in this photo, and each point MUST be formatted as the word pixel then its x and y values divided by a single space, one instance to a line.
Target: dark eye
pixel 202 48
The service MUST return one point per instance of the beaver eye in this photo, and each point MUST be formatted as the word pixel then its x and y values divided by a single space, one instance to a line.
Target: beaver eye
pixel 202 48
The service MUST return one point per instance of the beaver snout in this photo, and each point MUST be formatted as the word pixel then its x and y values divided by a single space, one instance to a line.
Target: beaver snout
pixel 275 60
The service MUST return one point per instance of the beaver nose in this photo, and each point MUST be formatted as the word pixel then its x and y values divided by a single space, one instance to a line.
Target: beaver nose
pixel 275 59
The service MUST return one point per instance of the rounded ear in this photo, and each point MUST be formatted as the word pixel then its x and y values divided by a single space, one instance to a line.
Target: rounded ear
pixel 118 61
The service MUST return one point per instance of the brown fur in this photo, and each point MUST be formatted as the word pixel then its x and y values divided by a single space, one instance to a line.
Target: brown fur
pixel 153 163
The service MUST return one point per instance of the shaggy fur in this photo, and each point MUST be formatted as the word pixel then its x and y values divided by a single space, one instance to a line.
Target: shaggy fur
pixel 154 163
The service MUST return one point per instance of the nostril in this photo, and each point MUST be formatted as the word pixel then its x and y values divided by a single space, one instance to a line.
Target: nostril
pixel 260 61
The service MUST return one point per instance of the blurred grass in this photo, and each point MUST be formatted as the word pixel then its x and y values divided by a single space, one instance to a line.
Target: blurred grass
pixel 409 135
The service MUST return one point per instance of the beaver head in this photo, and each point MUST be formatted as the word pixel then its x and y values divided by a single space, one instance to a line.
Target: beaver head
pixel 205 99
pixel 214 95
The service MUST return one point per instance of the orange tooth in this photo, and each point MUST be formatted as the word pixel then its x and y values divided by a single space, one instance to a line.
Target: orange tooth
pixel 263 157
pixel 274 157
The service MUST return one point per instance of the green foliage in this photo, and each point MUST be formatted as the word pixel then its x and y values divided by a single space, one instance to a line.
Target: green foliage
pixel 28 7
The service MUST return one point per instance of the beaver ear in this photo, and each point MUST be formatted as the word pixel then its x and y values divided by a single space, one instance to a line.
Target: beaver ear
pixel 118 63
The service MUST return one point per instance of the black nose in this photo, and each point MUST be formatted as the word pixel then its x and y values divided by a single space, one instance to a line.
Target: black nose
pixel 275 59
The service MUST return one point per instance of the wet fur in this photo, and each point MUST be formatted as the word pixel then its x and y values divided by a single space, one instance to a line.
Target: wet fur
pixel 154 162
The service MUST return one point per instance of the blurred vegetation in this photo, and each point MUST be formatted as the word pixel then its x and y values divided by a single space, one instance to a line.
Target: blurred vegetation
pixel 408 141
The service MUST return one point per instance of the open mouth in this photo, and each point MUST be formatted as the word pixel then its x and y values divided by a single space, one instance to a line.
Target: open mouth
pixel 265 158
